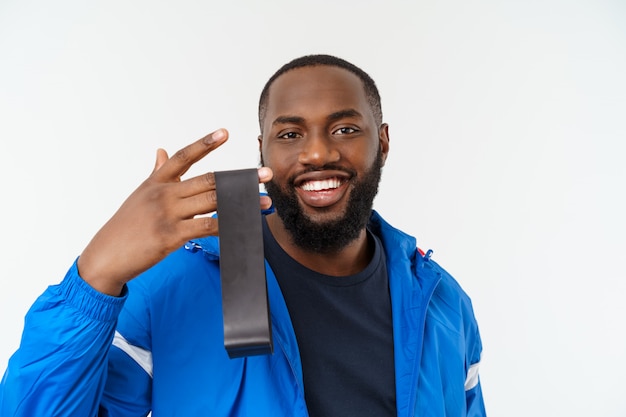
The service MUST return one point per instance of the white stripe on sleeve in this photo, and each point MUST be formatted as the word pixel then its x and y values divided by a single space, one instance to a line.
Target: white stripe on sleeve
pixel 143 357
pixel 472 377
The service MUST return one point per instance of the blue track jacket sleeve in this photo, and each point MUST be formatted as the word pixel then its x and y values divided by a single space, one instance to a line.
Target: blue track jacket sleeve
pixel 475 405
pixel 60 368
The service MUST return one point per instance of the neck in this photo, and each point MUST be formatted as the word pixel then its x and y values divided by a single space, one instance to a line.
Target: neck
pixel 348 260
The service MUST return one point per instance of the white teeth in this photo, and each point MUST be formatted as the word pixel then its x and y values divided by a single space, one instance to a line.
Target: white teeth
pixel 321 185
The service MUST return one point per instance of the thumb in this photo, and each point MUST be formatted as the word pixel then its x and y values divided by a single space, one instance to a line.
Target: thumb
pixel 161 158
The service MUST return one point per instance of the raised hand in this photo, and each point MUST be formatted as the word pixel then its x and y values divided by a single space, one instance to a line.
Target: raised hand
pixel 157 218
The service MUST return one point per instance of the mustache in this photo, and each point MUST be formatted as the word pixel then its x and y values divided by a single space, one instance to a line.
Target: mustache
pixel 314 168
pixel 327 167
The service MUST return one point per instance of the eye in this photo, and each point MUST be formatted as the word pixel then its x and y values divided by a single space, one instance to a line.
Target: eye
pixel 289 135
pixel 345 131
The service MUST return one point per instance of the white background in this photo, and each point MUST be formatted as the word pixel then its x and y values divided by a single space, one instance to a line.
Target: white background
pixel 508 123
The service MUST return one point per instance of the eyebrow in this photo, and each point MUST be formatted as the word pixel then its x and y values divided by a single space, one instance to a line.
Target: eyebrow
pixel 344 114
pixel 338 115
pixel 288 120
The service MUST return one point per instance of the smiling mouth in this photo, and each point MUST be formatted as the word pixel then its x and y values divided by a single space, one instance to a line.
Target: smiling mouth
pixel 321 185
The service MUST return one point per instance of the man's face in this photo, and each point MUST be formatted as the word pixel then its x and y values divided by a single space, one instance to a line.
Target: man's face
pixel 326 151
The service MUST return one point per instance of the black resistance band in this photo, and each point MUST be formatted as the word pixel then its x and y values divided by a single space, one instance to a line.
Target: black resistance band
pixel 247 325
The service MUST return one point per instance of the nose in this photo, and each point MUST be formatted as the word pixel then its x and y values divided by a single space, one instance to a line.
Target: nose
pixel 318 149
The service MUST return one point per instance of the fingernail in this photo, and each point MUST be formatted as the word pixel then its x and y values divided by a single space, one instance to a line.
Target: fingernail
pixel 219 134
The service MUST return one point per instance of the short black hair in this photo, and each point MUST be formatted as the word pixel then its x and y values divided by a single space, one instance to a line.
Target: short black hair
pixel 371 91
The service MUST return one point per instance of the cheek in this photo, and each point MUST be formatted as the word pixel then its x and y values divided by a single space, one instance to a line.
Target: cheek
pixel 362 156
pixel 278 163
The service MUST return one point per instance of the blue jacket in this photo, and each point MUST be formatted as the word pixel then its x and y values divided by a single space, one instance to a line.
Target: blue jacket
pixel 160 345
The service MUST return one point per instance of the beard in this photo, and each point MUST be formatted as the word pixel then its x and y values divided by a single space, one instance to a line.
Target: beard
pixel 328 236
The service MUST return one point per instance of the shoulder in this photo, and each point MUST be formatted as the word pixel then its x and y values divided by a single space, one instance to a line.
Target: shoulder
pixel 449 296
pixel 185 281
pixel 450 314
pixel 182 272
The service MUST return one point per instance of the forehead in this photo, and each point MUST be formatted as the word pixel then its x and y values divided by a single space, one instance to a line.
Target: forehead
pixel 318 90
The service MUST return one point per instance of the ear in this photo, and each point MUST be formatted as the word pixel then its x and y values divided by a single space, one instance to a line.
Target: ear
pixel 260 139
pixel 383 138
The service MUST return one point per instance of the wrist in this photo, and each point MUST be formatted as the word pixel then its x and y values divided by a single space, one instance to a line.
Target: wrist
pixel 98 278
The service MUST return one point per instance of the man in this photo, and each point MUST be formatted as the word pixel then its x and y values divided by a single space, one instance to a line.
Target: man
pixel 363 323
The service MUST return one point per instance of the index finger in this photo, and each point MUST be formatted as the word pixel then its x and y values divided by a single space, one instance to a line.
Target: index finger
pixel 182 160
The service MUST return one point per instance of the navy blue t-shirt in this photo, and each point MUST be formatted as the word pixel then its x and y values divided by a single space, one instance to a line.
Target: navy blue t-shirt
pixel 344 331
